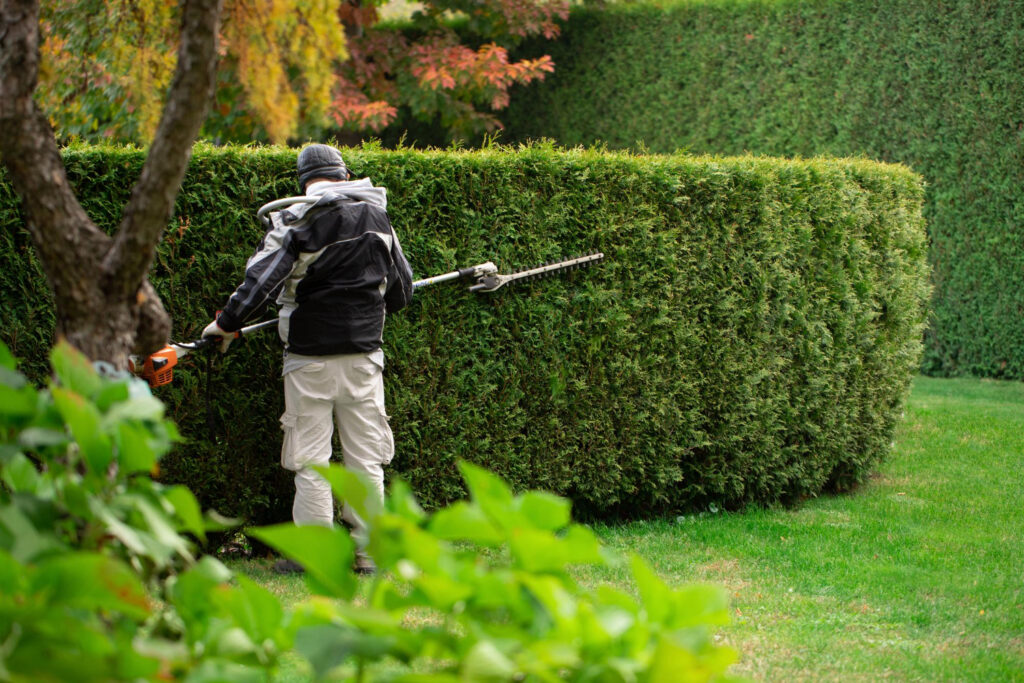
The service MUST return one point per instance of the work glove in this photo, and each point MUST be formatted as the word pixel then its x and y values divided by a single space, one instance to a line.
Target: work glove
pixel 215 330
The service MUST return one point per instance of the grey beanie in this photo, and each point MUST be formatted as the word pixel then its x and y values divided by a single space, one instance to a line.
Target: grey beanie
pixel 320 161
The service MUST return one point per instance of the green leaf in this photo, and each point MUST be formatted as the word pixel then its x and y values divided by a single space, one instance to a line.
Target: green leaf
pixel 26 541
pixel 544 510
pixel 20 474
pixel 678 658
pixel 111 393
pixel 136 540
pixel 252 608
pixel 7 452
pixel 485 663
pixel 442 591
pixel 7 360
pixel 328 646
pixel 74 370
pixel 538 551
pixel 190 592
pixel 39 437
pixel 84 421
pixel 222 671
pixel 214 521
pixel 11 378
pixel 489 492
pixel 582 546
pixel 654 593
pixel 142 408
pixel 326 554
pixel 90 581
pixel 187 508
pixel 135 452
pixel 17 404
pixel 558 602
pixel 462 521
pixel 401 501
pixel 160 525
pixel 700 604
pixel 355 489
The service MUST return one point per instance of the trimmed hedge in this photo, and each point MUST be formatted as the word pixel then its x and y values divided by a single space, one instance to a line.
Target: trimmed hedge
pixel 935 84
pixel 749 338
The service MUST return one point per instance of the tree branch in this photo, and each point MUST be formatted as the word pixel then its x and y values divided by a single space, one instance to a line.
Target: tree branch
pixel 152 199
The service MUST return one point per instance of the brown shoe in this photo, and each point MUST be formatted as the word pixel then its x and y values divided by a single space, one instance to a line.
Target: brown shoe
pixel 286 566
pixel 363 564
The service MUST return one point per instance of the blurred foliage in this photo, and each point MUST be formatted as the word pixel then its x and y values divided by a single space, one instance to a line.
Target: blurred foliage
pixel 749 338
pixel 101 582
pixel 934 84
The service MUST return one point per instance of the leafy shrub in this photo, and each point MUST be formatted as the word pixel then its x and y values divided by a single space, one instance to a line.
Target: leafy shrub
pixel 99 580
pixel 100 584
pixel 935 85
pixel 749 338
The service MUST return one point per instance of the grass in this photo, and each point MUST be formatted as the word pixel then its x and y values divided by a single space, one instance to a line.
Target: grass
pixel 918 575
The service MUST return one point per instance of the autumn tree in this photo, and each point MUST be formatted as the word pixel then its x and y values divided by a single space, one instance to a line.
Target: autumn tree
pixel 106 64
pixel 431 72
pixel 105 305
pixel 291 69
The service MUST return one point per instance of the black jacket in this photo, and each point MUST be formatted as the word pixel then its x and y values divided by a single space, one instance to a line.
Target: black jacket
pixel 336 269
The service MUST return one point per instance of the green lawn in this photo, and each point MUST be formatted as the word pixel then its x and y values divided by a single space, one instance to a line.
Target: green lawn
pixel 918 575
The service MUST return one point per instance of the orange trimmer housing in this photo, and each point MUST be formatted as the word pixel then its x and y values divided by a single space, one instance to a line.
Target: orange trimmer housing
pixel 158 369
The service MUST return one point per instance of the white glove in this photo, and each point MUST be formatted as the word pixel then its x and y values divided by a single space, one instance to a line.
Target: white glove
pixel 214 330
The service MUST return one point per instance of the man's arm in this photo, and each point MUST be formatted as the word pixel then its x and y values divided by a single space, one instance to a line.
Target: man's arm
pixel 399 292
pixel 265 272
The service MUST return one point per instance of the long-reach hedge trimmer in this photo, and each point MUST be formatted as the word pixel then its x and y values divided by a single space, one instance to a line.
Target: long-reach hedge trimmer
pixel 158 369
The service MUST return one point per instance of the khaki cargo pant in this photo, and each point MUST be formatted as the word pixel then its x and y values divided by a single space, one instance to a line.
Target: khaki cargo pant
pixel 348 389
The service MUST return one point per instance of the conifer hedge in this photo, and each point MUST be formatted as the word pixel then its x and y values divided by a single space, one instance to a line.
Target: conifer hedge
pixel 934 84
pixel 749 338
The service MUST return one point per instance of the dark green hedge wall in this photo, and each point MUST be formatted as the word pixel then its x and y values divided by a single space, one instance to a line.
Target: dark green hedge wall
pixel 749 338
pixel 935 84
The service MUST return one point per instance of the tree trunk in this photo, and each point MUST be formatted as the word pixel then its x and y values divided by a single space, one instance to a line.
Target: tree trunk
pixel 106 307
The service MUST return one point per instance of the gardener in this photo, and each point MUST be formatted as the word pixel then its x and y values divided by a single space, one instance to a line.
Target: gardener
pixel 338 268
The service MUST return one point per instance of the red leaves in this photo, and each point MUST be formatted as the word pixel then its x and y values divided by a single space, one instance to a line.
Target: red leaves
pixel 435 76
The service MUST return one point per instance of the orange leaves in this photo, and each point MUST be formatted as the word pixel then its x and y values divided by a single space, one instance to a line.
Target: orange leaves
pixel 456 67
pixel 353 109
pixel 435 76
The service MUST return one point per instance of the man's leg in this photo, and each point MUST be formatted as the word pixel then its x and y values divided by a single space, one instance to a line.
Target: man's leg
pixel 308 426
pixel 366 440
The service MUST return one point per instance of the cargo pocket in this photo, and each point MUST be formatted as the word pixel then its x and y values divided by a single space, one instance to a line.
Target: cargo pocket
pixel 288 421
pixel 307 441
pixel 387 440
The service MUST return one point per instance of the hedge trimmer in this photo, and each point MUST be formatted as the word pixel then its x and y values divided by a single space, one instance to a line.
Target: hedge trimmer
pixel 158 369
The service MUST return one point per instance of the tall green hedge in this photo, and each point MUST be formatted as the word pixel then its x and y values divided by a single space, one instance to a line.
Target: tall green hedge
pixel 749 338
pixel 934 84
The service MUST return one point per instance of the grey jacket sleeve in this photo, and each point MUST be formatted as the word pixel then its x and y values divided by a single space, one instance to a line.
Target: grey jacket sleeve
pixel 399 291
pixel 265 272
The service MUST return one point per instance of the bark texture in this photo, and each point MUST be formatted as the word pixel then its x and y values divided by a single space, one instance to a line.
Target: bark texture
pixel 106 307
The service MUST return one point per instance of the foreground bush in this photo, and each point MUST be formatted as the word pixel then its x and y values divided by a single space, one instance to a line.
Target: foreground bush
pixel 99 582
pixel 749 338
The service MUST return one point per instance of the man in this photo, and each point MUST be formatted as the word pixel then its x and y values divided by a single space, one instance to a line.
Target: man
pixel 338 268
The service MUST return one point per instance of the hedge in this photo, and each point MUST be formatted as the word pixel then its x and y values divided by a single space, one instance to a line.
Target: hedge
pixel 749 338
pixel 934 84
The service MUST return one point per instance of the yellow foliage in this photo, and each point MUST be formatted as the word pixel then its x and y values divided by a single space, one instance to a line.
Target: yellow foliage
pixel 109 62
